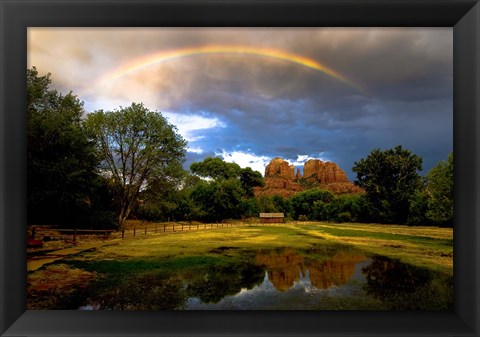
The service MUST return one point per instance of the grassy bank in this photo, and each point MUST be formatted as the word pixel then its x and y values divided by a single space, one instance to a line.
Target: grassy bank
pixel 154 264
pixel 429 247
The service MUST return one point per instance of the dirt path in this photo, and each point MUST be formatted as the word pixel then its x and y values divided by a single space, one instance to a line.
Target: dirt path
pixel 36 262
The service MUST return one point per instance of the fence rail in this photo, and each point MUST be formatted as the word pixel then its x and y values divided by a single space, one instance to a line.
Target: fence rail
pixel 133 230
pixel 175 227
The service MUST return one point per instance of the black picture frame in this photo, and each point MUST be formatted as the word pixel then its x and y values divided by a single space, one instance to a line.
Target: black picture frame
pixel 16 16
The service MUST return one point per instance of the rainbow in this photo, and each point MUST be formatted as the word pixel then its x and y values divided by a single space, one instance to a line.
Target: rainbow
pixel 166 56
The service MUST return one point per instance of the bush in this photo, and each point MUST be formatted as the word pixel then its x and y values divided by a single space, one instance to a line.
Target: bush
pixel 310 203
pixel 345 217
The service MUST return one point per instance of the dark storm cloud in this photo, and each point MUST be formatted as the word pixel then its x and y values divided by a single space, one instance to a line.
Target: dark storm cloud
pixel 272 107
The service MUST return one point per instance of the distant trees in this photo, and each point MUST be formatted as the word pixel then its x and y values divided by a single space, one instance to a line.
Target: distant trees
pixel 390 179
pixel 227 193
pixel 310 203
pixel 216 168
pixel 439 190
pixel 219 200
pixel 135 146
pixel 433 202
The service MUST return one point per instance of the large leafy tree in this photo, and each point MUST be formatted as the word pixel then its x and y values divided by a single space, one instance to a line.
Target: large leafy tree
pixel 219 200
pixel 249 179
pixel 227 193
pixel 439 191
pixel 60 158
pixel 160 198
pixel 390 179
pixel 136 145
pixel 216 168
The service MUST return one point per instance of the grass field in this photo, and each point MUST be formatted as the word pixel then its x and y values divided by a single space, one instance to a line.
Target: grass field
pixel 137 263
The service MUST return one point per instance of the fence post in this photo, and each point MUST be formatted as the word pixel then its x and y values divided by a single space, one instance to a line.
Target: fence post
pixel 197 225
pixel 75 236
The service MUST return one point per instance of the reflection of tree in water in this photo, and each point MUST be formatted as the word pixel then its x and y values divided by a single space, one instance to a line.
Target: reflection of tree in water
pixel 220 281
pixel 405 287
pixel 326 268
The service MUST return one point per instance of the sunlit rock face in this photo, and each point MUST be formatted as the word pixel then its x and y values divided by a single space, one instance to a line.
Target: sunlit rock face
pixel 278 186
pixel 284 268
pixel 323 172
pixel 279 168
pixel 281 179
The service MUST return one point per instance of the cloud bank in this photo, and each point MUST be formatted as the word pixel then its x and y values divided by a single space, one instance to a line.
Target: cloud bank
pixel 249 108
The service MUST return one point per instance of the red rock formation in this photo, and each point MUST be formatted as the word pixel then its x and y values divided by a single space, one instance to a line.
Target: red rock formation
pixel 324 172
pixel 278 186
pixel 298 175
pixel 343 188
pixel 280 178
pixel 280 168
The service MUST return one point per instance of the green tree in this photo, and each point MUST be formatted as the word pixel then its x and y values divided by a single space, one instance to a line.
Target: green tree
pixel 310 203
pixel 61 161
pixel 216 168
pixel 439 191
pixel 135 145
pixel 219 200
pixel 345 208
pixel 250 179
pixel 161 197
pixel 418 208
pixel 389 178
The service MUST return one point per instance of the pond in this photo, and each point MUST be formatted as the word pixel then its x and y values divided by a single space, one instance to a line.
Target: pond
pixel 333 278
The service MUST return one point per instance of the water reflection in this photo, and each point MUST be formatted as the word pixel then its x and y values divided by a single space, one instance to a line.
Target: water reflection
pixel 405 287
pixel 288 279
pixel 287 266
pixel 218 282
pixel 330 278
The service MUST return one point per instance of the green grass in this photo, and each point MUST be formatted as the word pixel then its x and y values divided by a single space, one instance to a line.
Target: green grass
pixel 430 247
pixel 155 263
pixel 134 266
pixel 387 236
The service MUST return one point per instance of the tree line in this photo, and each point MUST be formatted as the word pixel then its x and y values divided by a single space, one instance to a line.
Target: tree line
pixel 100 169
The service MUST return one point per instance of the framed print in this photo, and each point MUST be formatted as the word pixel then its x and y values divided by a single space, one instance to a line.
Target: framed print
pixel 231 77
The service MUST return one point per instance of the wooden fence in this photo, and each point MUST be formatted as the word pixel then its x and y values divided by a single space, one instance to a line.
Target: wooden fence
pixel 172 227
pixel 140 229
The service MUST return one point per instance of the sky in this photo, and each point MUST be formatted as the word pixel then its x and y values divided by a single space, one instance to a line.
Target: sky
pixel 249 95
